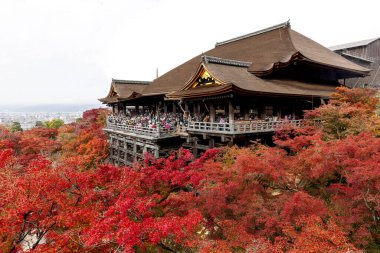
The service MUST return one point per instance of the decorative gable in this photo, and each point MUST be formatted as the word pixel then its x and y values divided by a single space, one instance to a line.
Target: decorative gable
pixel 112 92
pixel 204 79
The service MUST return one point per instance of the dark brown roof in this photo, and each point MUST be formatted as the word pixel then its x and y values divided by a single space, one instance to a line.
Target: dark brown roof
pixel 123 90
pixel 267 49
pixel 237 78
pixel 317 53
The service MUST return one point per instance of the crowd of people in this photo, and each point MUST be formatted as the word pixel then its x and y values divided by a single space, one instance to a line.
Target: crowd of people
pixel 171 121
pixel 163 120
pixel 149 119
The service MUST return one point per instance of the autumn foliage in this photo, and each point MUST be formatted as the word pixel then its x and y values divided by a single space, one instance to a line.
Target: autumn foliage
pixel 317 190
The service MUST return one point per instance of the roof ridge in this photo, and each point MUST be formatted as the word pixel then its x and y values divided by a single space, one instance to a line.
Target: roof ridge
pixel 211 59
pixel 268 29
pixel 131 81
pixel 358 43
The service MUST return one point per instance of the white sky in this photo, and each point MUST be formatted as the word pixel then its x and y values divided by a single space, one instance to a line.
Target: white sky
pixel 67 51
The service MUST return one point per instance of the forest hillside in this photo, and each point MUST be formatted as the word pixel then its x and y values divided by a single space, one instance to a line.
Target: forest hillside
pixel 316 190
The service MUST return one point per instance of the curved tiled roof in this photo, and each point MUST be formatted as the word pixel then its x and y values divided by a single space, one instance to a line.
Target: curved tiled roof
pixel 317 53
pixel 238 78
pixel 267 49
pixel 123 90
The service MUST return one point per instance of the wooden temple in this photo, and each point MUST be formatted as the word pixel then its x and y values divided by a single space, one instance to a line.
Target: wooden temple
pixel 244 88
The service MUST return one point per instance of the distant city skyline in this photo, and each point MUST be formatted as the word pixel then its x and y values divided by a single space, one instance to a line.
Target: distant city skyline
pixel 48 107
pixel 28 120
pixel 67 52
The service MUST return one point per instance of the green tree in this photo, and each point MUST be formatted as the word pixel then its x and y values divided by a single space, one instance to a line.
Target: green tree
pixel 39 123
pixel 54 123
pixel 16 127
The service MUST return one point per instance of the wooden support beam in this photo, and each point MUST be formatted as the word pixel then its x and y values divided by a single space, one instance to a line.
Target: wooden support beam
pixel 231 114
pixel 195 149
pixel 212 113
pixel 134 150
pixel 246 112
pixel 156 152
pixel 211 143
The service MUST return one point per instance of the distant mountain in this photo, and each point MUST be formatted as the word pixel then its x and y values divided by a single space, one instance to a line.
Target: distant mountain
pixel 49 108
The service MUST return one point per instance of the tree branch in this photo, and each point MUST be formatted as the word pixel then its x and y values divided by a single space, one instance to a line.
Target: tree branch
pixel 174 189
pixel 39 238
pixel 162 245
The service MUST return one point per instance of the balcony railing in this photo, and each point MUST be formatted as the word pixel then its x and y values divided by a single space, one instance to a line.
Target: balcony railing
pixel 157 132
pixel 241 127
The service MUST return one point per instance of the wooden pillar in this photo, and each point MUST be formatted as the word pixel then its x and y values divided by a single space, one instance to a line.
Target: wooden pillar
pixel 111 146
pixel 125 150
pixel 231 118
pixel 124 109
pixel 174 107
pixel 212 113
pixel 113 108
pixel 198 108
pixel 134 150
pixel 186 107
pixel 195 148
pixel 211 143
pixel 158 117
pixel 245 111
pixel 156 152
pixel 230 142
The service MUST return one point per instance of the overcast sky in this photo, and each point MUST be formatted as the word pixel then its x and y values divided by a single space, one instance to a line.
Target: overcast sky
pixel 54 51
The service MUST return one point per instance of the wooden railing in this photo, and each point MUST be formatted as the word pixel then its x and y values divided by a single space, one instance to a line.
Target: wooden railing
pixel 209 127
pixel 240 127
pixel 112 123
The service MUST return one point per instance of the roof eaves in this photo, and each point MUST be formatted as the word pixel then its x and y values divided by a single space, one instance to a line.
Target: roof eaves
pixel 361 72
pixel 282 25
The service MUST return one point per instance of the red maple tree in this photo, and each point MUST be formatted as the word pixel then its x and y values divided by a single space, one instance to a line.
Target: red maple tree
pixel 317 190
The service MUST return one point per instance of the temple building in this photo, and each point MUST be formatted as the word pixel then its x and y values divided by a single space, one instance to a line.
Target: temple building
pixel 365 53
pixel 242 89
